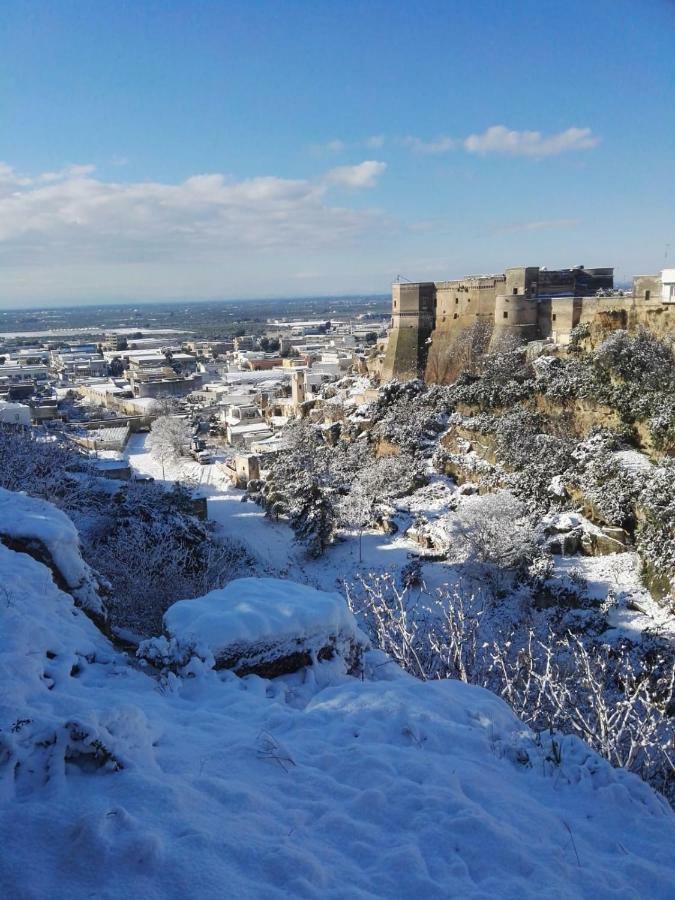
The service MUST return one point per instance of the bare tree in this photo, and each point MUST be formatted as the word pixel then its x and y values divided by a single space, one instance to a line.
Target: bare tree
pixel 165 405
pixel 494 528
pixel 376 483
pixel 463 353
pixel 169 437
pixel 355 510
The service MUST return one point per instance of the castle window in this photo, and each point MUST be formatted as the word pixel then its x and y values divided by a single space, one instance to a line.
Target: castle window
pixel 648 294
pixel 456 299
pixel 395 304
pixel 515 290
pixel 455 316
pixel 553 316
pixel 506 315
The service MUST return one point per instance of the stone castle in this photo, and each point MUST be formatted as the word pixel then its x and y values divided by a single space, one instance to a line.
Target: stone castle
pixel 435 324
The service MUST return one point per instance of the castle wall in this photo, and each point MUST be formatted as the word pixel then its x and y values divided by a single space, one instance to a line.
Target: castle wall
pixel 463 323
pixel 655 302
pixel 439 329
pixel 647 288
pixel 515 320
pixel 560 316
pixel 522 280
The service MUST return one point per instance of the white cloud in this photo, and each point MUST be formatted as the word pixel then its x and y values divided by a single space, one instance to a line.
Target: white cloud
pixel 337 145
pixel 499 139
pixel 328 148
pixel 72 218
pixel 363 175
pixel 375 142
pixel 442 144
pixel 73 172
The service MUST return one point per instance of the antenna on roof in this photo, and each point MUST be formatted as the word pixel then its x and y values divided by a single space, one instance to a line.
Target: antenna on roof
pixel 400 278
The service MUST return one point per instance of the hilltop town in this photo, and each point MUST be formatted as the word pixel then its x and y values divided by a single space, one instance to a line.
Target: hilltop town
pixel 317 581
pixel 240 390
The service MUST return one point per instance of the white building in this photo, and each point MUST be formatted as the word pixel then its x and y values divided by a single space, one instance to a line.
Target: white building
pixel 14 414
pixel 247 433
pixel 12 374
pixel 668 286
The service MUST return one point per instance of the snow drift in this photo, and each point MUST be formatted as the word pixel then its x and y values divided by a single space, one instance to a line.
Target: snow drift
pixel 117 782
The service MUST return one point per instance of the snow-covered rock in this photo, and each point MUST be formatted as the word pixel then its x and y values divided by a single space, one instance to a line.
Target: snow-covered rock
pixel 266 625
pixel 115 783
pixel 37 528
pixel 569 532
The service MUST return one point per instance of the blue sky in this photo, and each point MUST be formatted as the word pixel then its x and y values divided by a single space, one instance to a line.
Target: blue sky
pixel 161 150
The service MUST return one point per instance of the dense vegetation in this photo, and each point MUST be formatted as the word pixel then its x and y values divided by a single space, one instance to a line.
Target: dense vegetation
pixel 144 540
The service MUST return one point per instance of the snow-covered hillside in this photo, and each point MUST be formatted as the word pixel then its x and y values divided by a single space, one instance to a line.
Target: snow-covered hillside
pixel 118 782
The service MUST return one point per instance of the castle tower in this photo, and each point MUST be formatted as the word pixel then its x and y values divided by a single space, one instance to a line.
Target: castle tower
pixel 298 388
pixel 412 319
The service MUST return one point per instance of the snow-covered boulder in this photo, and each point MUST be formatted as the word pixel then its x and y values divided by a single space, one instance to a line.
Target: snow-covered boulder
pixel 36 527
pixel 266 626
pixel 570 532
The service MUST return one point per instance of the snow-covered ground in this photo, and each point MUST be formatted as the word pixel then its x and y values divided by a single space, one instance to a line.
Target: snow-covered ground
pixel 273 545
pixel 115 783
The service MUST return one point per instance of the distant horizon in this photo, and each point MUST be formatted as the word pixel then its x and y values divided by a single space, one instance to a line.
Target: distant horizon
pixel 112 304
pixel 57 304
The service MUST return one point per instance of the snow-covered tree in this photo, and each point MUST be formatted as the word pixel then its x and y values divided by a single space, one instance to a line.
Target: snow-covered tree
pixel 314 516
pixel 168 439
pixel 495 528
